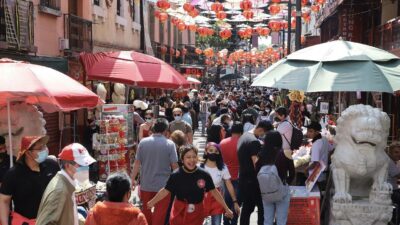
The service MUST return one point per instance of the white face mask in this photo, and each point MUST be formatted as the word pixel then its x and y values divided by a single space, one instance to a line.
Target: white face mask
pixel 82 175
pixel 178 118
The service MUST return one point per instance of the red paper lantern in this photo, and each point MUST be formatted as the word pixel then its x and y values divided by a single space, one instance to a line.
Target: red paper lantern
pixel 163 17
pixel 163 50
pixel 274 9
pixel 216 7
pixel 163 4
pixel 265 31
pixel 302 40
pixel 246 5
pixel 210 32
pixel 293 13
pixel 248 14
pixel 241 33
pixel 171 51
pixel 192 27
pixel 275 26
pixel 181 26
pixel 315 8
pixel 175 21
pixel 202 31
pixel 284 24
pixel 194 13
pixel 208 52
pixel 307 19
pixel 304 2
pixel 225 34
pixel 198 51
pixel 293 23
pixel 188 7
pixel 321 2
pixel 276 1
pixel 221 15
pixel 157 14
pixel 248 32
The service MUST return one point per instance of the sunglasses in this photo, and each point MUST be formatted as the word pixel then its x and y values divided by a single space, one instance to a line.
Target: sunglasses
pixel 177 114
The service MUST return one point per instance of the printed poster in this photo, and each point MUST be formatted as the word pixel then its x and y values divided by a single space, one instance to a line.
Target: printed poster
pixel 313 177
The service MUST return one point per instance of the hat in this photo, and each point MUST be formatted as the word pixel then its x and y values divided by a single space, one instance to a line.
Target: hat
pixel 315 126
pixel 140 104
pixel 77 153
pixel 28 141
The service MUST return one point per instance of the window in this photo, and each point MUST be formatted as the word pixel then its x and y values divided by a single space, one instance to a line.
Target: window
pixel 96 2
pixel 119 8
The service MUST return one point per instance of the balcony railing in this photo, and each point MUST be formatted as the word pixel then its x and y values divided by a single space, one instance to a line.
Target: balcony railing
pixel 52 4
pixel 387 36
pixel 16 25
pixel 78 31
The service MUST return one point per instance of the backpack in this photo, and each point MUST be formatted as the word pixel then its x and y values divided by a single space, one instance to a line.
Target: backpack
pixel 297 138
pixel 271 187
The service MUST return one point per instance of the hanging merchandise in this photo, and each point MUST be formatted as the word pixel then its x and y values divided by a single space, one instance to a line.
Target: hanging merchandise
pixel 115 137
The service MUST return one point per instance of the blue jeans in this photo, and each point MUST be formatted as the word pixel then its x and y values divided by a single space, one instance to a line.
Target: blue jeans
pixel 229 202
pixel 278 210
pixel 203 119
pixel 216 219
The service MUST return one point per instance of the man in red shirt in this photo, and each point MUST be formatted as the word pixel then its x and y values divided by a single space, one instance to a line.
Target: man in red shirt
pixel 229 154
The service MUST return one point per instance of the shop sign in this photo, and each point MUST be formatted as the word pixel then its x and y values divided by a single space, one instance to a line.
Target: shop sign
pixel 192 71
pixel 327 11
pixel 324 108
pixel 86 196
pixel 350 25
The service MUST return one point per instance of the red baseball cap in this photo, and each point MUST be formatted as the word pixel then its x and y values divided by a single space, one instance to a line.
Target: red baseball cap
pixel 77 153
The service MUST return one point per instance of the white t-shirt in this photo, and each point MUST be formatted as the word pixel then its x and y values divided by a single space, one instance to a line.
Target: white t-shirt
pixel 248 127
pixel 218 176
pixel 320 152
pixel 286 130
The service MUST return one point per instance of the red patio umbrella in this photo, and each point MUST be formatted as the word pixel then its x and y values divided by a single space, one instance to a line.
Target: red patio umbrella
pixel 38 85
pixel 133 68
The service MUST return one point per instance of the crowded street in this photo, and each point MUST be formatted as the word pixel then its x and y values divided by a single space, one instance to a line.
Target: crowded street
pixel 200 112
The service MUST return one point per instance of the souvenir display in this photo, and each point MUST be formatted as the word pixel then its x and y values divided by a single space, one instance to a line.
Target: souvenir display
pixel 115 130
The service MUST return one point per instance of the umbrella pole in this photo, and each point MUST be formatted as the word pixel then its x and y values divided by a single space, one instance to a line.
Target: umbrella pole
pixel 340 103
pixel 9 133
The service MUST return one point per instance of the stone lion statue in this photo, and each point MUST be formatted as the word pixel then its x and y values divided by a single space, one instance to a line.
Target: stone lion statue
pixel 360 164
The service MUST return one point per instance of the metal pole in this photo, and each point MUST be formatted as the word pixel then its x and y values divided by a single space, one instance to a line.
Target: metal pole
pixel 9 133
pixel 289 40
pixel 298 24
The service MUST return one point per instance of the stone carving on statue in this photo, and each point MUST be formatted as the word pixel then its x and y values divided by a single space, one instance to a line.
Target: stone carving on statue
pixel 118 96
pixel 359 168
pixel 101 91
pixel 26 120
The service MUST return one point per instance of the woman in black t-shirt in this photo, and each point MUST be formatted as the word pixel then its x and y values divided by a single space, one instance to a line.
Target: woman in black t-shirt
pixel 188 184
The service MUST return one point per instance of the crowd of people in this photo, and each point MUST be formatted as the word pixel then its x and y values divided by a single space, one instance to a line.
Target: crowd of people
pixel 247 163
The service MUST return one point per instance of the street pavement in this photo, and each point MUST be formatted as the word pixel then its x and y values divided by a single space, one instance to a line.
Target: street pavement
pixel 200 143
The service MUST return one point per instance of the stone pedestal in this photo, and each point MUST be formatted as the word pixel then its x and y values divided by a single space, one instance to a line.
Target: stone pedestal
pixel 360 213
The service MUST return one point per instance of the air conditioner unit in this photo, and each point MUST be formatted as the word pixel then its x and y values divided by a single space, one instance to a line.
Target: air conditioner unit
pixel 64 44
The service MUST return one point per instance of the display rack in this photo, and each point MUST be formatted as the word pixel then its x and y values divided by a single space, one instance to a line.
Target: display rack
pixel 113 139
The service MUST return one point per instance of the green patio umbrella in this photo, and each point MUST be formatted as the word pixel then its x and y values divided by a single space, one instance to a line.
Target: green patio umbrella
pixel 334 67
